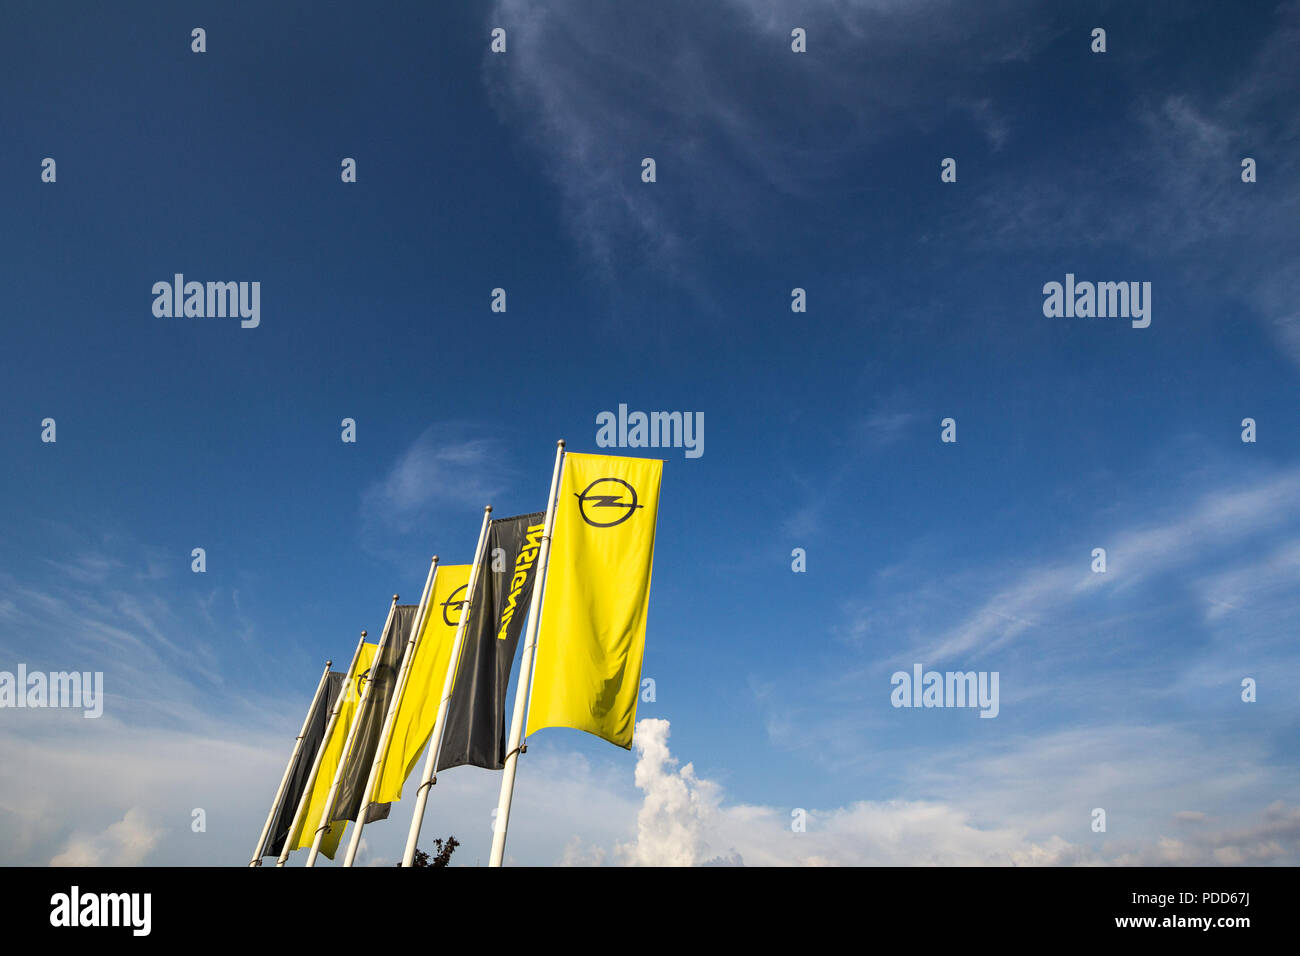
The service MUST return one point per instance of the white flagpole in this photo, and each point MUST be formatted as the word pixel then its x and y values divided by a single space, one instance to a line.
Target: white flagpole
pixel 305 799
pixel 428 778
pixel 381 752
pixel 327 814
pixel 288 768
pixel 523 688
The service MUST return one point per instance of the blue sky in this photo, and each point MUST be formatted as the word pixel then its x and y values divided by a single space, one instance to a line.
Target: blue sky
pixel 775 170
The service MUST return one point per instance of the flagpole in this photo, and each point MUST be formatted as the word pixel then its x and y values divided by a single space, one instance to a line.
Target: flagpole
pixel 327 814
pixel 288 768
pixel 381 752
pixel 305 800
pixel 435 742
pixel 523 688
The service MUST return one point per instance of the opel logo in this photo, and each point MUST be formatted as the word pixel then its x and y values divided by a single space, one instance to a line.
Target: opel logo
pixel 607 493
pixel 451 602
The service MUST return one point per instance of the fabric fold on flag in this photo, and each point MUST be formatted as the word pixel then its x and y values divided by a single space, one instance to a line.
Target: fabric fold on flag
pixel 351 692
pixel 475 734
pixel 417 711
pixel 383 674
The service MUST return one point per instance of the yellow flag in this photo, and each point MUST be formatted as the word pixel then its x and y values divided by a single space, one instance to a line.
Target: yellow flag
pixel 592 637
pixel 418 709
pixel 333 750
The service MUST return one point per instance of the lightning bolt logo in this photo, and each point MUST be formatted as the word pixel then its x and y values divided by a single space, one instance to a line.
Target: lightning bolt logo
pixel 453 602
pixel 625 499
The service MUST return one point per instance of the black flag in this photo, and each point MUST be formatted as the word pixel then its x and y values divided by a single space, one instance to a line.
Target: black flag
pixel 311 742
pixel 476 714
pixel 383 684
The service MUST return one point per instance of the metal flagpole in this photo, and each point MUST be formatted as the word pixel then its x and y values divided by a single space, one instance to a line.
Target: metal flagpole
pixel 326 816
pixel 381 752
pixel 305 799
pixel 524 686
pixel 288 769
pixel 435 742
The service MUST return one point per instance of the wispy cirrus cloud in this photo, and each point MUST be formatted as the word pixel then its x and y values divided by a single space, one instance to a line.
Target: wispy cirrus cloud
pixel 1210 527
pixel 441 469
pixel 433 471
pixel 889 422
pixel 1276 575
pixel 143 637
pixel 1166 184
pixel 1108 679
pixel 734 120
pixel 181 726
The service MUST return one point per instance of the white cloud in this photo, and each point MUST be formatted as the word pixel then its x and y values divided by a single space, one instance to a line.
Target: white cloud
pixel 678 805
pixel 115 790
pixel 103 792
pixel 684 821
pixel 884 427
pixel 441 473
pixel 128 842
pixel 1211 526
pixel 434 470
pixel 1026 805
pixel 1251 585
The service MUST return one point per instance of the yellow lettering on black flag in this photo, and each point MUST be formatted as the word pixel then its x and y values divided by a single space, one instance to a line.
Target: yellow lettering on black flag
pixel 592 637
pixel 418 709
pixel 330 762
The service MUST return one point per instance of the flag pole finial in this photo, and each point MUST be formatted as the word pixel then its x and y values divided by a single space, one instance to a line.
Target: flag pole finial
pixel 394 598
pixel 363 633
pixel 560 443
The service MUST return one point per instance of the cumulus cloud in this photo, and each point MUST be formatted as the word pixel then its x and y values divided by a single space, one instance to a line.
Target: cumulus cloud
pixel 678 808
pixel 571 812
pixel 684 821
pixel 109 793
pixel 128 842
pixel 1273 839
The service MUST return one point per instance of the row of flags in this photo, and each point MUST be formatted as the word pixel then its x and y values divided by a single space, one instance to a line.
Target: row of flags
pixel 577 575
